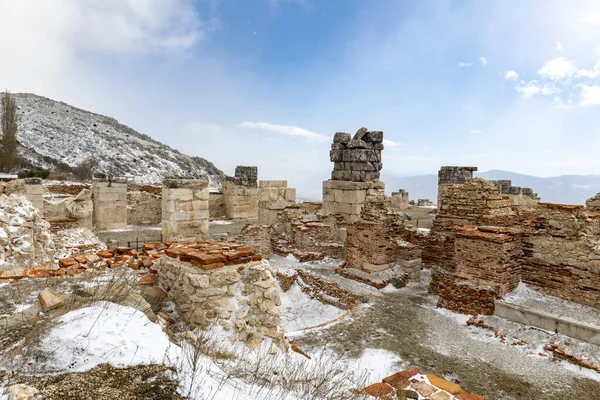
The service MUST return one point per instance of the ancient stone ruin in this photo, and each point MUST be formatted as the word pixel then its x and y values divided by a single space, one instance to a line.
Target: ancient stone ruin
pixel 185 209
pixel 241 194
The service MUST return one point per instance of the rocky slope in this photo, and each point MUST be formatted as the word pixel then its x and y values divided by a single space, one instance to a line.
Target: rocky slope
pixel 56 136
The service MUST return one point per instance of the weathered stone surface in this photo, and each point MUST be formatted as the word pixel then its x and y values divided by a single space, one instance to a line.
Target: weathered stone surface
pixel 110 205
pixel 341 138
pixel 49 299
pixel 443 384
pixel 21 392
pixel 185 211
pixel 154 295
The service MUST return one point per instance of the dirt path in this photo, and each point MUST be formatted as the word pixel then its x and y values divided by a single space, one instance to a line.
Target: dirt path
pixel 404 322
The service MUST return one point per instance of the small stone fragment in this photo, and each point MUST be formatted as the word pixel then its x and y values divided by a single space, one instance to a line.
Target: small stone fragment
pixel 49 299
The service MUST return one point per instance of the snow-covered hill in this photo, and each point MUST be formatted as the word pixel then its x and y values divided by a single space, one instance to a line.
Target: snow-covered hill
pixel 54 135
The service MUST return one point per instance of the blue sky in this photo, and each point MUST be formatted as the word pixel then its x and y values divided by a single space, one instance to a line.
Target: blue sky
pixel 498 84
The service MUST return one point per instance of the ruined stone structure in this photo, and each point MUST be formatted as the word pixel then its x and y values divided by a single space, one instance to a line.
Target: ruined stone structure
pixel 34 192
pixel 399 200
pixel 593 203
pixel 184 209
pixel 482 244
pixel 357 158
pixel 273 196
pixel 241 194
pixel 25 238
pixel 81 209
pixel 110 204
pixel 257 237
pixel 144 208
pixel 224 284
pixel 525 198
pixel 450 175
pixel 216 204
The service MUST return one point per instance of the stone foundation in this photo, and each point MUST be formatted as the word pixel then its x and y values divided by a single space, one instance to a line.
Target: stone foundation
pixel 184 209
pixel 242 297
pixel 110 205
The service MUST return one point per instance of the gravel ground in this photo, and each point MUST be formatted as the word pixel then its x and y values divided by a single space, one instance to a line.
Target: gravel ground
pixel 406 323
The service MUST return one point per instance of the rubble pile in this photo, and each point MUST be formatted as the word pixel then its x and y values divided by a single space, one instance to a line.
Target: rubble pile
pixel 25 238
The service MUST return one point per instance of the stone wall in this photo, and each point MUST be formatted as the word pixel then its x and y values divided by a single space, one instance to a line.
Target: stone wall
pixel 593 203
pixel 482 239
pixel 273 196
pixel 216 205
pixel 34 192
pixel 61 224
pixel 399 200
pixel 453 175
pixel 357 158
pixel 184 209
pixel 257 237
pixel 241 194
pixel 144 208
pixel 219 283
pixel 110 205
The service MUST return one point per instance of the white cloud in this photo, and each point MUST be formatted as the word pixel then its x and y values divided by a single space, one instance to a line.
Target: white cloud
pixel 532 88
pixel 483 60
pixel 590 95
pixel 557 68
pixel 286 130
pixel 559 46
pixel 511 76
pixel 475 131
pixel 591 73
pixel 390 143
pixel 464 64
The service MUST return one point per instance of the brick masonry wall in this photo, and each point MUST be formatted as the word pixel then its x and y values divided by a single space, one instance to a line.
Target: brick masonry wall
pixel 258 237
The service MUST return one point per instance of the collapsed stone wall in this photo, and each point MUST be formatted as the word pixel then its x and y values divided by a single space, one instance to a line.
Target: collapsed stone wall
pixel 487 244
pixel 144 208
pixel 214 283
pixel 25 238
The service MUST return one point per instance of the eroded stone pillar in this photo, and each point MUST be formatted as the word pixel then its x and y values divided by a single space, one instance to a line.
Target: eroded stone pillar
pixel 185 213
pixel 241 194
pixel 34 192
pixel 452 175
pixel 110 204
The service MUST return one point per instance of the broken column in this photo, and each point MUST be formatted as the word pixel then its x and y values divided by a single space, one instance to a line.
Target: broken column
pixel 357 162
pixel 34 192
pixel 110 204
pixel 184 210
pixel 241 194
pixel 272 197
pixel 452 175
pixel 399 200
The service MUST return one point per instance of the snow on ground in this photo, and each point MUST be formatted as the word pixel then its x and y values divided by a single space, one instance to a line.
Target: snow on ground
pixel 299 311
pixel 378 363
pixel 103 332
pixel 222 222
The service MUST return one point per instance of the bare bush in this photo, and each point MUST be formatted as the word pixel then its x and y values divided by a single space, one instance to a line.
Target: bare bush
pixel 9 160
pixel 85 170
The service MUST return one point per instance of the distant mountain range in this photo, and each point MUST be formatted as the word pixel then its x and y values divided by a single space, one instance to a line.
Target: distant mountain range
pixel 565 189
pixel 56 136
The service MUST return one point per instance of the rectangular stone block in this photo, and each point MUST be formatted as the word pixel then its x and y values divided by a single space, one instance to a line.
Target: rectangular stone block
pixel 268 194
pixel 345 185
pixel 290 194
pixel 272 184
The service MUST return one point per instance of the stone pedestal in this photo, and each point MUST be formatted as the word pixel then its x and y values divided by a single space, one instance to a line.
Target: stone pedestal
pixel 34 192
pixel 185 210
pixel 272 197
pixel 110 205
pixel 347 198
pixel 241 194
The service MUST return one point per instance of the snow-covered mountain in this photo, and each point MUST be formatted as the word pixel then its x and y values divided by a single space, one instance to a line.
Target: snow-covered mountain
pixel 54 135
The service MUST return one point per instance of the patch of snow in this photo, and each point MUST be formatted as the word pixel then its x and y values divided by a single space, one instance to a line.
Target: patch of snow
pixel 378 363
pixel 423 229
pixel 461 319
pixel 389 289
pixel 299 311
pixel 221 222
pixel 291 257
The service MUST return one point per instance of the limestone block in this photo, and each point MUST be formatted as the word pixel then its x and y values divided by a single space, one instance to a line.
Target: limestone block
pixel 345 185
pixel 290 194
pixel 49 299
pixel 268 194
pixel 272 184
pixel 180 194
